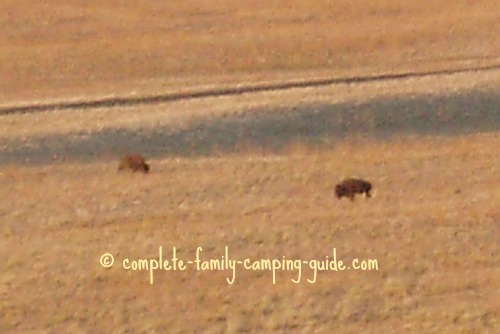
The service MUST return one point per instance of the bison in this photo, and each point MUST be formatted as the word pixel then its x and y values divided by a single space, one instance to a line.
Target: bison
pixel 134 163
pixel 350 187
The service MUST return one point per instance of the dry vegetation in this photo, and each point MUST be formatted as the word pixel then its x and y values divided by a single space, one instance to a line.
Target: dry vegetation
pixel 54 50
pixel 180 114
pixel 432 225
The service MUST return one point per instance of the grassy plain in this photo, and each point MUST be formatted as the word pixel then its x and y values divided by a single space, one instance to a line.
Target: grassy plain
pixel 55 50
pixel 433 224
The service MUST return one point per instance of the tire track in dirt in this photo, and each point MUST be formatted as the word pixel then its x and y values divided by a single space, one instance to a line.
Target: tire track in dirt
pixel 225 91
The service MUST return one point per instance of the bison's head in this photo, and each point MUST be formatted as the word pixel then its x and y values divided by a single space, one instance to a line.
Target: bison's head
pixel 340 191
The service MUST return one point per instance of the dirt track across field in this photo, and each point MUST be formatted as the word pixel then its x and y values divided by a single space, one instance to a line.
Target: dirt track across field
pixel 250 112
pixel 224 91
pixel 271 130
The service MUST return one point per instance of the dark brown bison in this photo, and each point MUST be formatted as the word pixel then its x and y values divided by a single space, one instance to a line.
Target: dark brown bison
pixel 134 163
pixel 350 187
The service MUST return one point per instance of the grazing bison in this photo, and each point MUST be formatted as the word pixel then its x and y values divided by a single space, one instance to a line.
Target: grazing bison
pixel 350 187
pixel 134 163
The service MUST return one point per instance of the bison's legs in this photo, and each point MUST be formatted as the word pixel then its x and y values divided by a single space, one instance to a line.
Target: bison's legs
pixel 367 194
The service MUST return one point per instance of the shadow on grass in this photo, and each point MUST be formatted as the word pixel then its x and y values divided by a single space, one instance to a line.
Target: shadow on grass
pixel 273 130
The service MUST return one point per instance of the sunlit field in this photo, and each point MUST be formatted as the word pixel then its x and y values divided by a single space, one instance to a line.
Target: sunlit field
pixel 432 225
pixel 94 48
pixel 250 177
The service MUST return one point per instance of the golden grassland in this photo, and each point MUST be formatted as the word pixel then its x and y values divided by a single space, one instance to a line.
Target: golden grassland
pixel 432 226
pixel 54 49
pixel 181 114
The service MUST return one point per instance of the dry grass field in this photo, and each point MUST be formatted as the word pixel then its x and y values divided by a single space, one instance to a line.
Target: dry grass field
pixel 52 49
pixel 432 226
pixel 255 172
